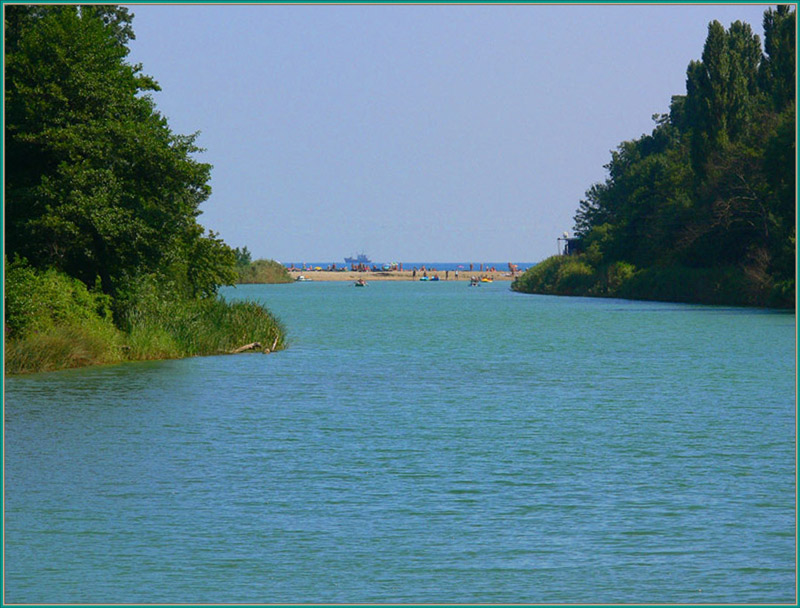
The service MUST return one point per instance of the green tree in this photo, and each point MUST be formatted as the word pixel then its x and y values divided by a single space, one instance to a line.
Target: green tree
pixel 243 257
pixel 97 184
pixel 777 71
pixel 713 186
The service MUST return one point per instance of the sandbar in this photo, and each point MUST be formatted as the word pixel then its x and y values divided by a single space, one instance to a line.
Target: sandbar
pixel 397 275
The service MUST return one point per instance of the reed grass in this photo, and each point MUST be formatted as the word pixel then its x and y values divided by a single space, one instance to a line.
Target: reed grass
pixel 64 346
pixel 200 327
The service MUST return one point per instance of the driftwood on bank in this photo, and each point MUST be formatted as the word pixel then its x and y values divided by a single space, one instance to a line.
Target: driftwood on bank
pixel 255 346
pixel 251 346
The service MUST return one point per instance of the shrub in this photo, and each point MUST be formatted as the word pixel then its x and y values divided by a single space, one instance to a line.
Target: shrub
pixel 160 328
pixel 617 274
pixel 37 301
pixel 722 286
pixel 53 322
pixel 558 275
pixel 264 271
pixel 574 277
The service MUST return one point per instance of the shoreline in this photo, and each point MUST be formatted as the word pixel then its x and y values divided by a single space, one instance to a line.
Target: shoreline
pixel 396 275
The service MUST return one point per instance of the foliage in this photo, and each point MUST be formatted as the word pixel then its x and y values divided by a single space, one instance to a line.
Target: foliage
pixel 38 301
pixel 558 275
pixel 101 206
pixel 264 271
pixel 713 186
pixel 159 327
pixel 243 257
pixel 97 184
pixel 574 275
pixel 53 321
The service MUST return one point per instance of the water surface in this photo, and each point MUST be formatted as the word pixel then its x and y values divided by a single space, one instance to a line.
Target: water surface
pixel 418 442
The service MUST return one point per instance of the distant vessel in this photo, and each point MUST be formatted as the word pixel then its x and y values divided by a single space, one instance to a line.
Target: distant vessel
pixel 359 259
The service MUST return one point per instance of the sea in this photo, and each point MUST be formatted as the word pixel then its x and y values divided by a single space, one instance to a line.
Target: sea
pixel 418 443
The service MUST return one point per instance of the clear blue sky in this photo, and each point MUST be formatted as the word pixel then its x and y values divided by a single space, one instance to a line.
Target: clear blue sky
pixel 413 133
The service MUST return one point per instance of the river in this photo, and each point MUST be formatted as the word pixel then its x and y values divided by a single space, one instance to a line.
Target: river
pixel 418 442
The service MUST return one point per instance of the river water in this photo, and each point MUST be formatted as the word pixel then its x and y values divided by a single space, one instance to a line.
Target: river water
pixel 418 442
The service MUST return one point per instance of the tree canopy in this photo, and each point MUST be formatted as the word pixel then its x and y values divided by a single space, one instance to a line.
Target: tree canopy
pixel 97 184
pixel 714 183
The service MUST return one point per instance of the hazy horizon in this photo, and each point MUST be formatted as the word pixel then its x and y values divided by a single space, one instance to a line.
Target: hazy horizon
pixel 425 132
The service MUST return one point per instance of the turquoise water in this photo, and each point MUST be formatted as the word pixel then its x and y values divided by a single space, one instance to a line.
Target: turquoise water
pixel 418 443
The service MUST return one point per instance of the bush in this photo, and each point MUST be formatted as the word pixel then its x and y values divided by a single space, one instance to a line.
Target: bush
pixel 62 347
pixel 53 322
pixel 721 286
pixel 558 275
pixel 539 278
pixel 574 277
pixel 37 301
pixel 264 271
pixel 617 274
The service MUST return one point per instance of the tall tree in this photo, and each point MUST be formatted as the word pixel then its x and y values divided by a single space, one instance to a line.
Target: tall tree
pixel 777 71
pixel 714 184
pixel 97 184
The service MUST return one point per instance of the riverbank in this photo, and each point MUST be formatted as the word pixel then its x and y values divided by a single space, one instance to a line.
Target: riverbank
pixel 54 322
pixel 397 275
pixel 724 286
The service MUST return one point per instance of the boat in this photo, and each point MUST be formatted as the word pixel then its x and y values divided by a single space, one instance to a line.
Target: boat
pixel 359 259
pixel 302 278
pixel 486 280
pixel 360 283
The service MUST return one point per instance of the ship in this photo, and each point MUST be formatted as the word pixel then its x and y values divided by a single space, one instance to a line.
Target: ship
pixel 359 259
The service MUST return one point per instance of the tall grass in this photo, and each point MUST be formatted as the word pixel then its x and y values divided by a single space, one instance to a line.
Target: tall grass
pixel 201 327
pixel 54 322
pixel 64 346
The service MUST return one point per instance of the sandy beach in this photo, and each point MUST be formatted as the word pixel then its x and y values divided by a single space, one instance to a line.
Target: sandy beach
pixel 396 275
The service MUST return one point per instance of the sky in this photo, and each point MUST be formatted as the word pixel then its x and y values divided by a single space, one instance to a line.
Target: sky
pixel 413 132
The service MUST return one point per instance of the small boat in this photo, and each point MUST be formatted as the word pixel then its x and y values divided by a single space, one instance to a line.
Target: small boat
pixel 424 278
pixel 486 280
pixel 302 278
pixel 360 283
pixel 473 282
pixel 436 278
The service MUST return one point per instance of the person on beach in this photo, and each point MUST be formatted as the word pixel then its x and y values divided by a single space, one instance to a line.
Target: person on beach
pixel 446 275
pixel 456 274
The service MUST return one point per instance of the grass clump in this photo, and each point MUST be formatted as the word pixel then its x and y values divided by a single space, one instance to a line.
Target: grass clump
pixel 171 329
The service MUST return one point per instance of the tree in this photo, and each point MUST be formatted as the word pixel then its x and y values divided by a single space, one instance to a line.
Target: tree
pixel 243 257
pixel 714 184
pixel 777 72
pixel 96 184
